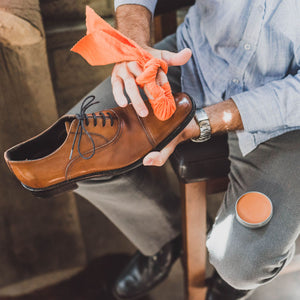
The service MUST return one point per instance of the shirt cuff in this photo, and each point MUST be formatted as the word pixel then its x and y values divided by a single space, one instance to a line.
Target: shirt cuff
pixel 149 4
pixel 259 110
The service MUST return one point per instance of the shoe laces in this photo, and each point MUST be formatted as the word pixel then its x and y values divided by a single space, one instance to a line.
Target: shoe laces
pixel 83 121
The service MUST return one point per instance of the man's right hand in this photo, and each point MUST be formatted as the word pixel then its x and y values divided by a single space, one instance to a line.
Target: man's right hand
pixel 124 75
pixel 134 21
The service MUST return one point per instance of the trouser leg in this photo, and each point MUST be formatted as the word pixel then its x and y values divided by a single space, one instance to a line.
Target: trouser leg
pixel 139 203
pixel 247 258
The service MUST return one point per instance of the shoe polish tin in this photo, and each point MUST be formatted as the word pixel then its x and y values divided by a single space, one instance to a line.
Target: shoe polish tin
pixel 254 209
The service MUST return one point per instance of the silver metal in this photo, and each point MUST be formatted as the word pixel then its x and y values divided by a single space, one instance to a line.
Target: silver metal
pixel 205 129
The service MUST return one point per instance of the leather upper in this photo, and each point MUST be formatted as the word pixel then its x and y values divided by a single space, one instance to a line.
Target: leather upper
pixel 129 139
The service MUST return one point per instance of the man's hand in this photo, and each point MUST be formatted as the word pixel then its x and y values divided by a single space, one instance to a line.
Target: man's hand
pixel 223 117
pixel 124 75
pixel 158 158
pixel 134 21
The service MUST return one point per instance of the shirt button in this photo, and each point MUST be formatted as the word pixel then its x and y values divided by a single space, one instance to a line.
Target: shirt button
pixel 235 81
pixel 247 46
pixel 260 8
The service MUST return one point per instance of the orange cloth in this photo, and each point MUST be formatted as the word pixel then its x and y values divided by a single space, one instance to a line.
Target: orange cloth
pixel 104 45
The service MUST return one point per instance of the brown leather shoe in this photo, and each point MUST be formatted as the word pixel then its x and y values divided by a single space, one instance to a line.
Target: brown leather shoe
pixel 83 146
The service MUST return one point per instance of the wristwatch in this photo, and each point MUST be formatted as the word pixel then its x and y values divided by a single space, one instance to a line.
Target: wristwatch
pixel 205 129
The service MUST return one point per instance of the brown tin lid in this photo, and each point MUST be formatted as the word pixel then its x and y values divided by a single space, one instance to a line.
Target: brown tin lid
pixel 254 209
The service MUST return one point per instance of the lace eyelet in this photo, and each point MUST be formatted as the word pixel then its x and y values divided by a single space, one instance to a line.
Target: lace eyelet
pixel 83 120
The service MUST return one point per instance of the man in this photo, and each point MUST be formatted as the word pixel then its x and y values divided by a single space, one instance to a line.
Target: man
pixel 240 62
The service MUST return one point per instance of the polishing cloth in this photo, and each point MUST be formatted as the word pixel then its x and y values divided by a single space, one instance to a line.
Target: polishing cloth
pixel 104 45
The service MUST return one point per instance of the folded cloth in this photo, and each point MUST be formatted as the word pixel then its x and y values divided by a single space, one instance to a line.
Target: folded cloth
pixel 104 45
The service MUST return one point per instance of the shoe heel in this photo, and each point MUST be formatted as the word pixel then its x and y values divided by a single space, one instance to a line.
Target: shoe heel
pixel 46 193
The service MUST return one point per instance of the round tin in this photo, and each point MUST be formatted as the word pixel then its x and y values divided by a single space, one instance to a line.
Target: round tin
pixel 254 209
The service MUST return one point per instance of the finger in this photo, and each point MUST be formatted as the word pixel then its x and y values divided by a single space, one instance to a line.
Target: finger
pixel 133 92
pixel 176 59
pixel 134 68
pixel 148 94
pixel 118 86
pixel 118 91
pixel 137 70
pixel 159 158
pixel 161 77
pixel 135 97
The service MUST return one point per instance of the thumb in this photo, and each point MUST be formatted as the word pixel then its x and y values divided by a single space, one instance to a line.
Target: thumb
pixel 176 59
pixel 158 158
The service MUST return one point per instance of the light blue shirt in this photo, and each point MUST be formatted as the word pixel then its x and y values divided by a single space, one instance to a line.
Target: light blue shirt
pixel 245 50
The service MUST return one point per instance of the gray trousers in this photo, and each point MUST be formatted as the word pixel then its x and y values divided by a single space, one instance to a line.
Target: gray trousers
pixel 145 208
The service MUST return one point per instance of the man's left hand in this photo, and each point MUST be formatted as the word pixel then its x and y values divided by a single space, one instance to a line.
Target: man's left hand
pixel 158 158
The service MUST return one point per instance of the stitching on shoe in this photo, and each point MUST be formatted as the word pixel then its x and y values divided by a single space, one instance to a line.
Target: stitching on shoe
pixel 147 132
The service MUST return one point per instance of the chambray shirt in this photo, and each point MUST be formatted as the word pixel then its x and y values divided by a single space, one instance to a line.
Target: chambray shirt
pixel 247 50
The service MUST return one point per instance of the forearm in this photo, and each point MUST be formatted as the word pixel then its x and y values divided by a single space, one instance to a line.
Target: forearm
pixel 134 21
pixel 224 117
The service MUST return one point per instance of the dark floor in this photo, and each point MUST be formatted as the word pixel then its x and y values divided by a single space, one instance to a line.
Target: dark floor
pixel 94 283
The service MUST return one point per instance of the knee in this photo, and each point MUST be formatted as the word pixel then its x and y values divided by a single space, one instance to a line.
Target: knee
pixel 240 275
pixel 243 264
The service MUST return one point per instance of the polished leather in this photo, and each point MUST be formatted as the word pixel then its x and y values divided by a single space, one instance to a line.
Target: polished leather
pixel 201 161
pixel 123 144
pixel 145 272
pixel 218 289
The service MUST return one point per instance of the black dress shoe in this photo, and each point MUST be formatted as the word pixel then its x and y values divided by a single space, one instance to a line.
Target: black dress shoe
pixel 145 272
pixel 218 289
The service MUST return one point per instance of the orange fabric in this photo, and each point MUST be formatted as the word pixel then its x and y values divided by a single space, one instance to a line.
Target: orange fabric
pixel 104 45
pixel 254 208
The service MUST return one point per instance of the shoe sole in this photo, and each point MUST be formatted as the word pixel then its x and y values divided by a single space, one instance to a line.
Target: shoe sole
pixel 71 184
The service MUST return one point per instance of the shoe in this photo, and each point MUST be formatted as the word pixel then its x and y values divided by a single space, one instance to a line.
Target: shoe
pixel 107 143
pixel 145 272
pixel 218 289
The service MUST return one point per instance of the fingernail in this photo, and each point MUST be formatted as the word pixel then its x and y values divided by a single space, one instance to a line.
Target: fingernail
pixel 143 113
pixel 123 103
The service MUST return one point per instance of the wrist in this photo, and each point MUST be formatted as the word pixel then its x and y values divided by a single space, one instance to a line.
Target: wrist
pixel 203 123
pixel 195 129
pixel 224 116
pixel 134 21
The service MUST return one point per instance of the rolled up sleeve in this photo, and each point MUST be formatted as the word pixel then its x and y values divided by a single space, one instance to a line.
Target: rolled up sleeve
pixel 273 106
pixel 149 4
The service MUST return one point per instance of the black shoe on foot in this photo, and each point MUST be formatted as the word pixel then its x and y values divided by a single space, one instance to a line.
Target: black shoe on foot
pixel 145 272
pixel 218 289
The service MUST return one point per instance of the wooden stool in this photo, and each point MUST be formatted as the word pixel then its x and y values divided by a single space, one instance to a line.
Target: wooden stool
pixel 202 169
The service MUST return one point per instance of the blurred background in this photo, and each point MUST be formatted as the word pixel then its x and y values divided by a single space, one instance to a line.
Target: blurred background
pixel 63 247
pixel 46 241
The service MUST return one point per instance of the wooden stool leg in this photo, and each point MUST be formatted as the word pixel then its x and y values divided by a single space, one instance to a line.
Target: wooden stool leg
pixel 194 238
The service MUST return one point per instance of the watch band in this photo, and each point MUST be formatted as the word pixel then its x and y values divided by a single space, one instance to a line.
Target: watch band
pixel 205 129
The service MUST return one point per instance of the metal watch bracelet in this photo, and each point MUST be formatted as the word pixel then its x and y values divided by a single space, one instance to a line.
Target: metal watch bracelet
pixel 205 129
